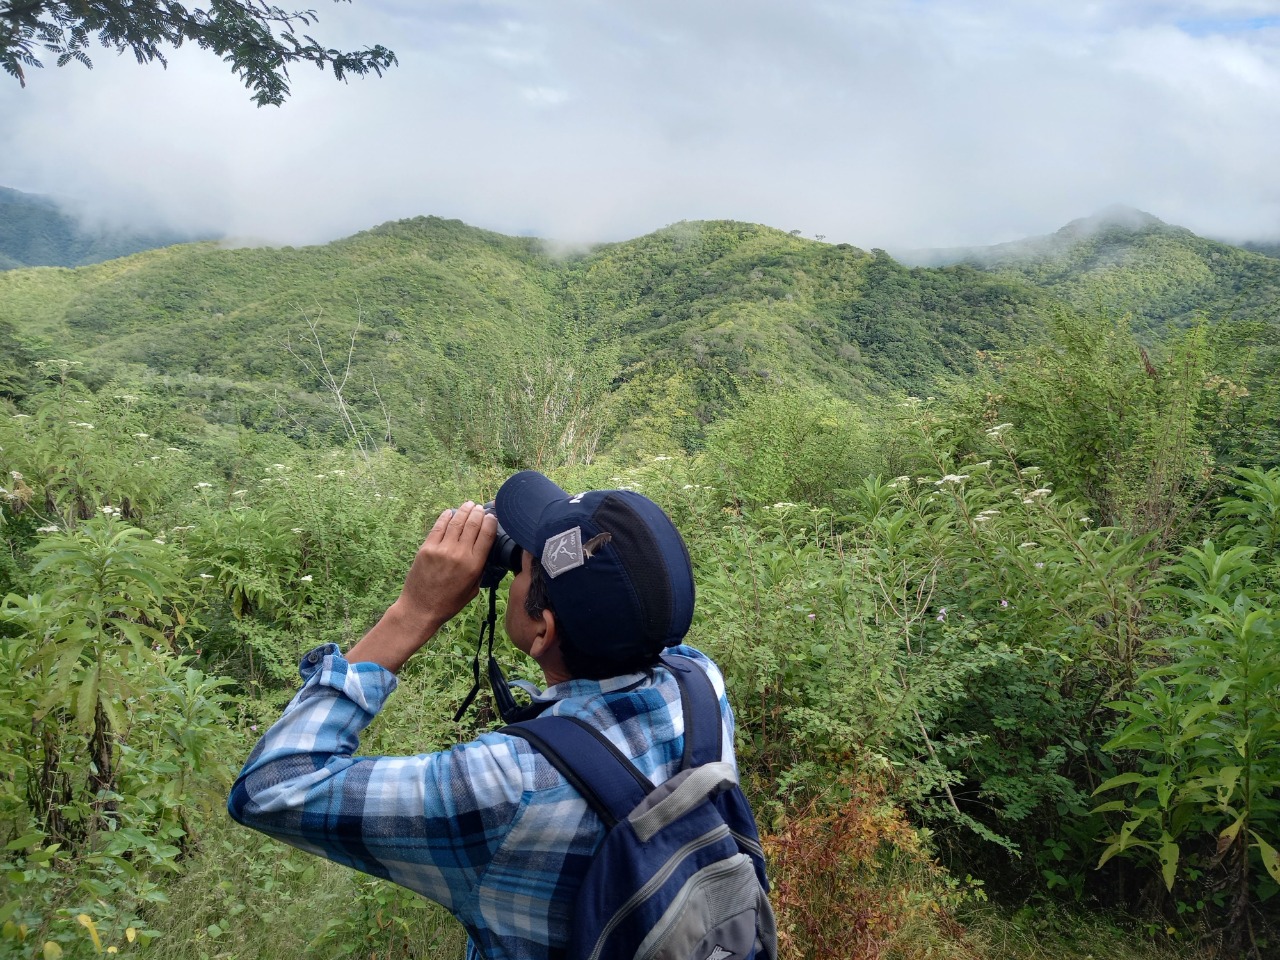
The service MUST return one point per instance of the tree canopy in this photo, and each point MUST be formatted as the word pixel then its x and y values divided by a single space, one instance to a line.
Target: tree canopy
pixel 259 40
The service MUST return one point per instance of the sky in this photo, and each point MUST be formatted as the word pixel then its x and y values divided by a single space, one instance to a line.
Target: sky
pixel 883 123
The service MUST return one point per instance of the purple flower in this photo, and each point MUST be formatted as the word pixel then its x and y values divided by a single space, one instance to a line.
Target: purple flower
pixel 812 617
pixel 1004 602
pixel 942 615
pixel 253 728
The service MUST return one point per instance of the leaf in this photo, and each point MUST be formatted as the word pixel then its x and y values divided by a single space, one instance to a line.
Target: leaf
pixel 1270 859
pixel 51 951
pixel 1108 807
pixel 87 701
pixel 131 934
pixel 45 855
pixel 1169 862
pixel 1107 854
pixel 86 921
pixel 112 708
pixel 1120 781
pixel 1225 839
pixel 24 841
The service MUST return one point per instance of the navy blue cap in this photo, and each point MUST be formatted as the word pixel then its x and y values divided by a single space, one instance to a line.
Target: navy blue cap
pixel 617 571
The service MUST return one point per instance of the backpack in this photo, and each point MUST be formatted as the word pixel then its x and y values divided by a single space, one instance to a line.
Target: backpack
pixel 680 874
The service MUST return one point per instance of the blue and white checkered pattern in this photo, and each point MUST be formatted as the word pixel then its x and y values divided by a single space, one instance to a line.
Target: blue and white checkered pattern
pixel 489 828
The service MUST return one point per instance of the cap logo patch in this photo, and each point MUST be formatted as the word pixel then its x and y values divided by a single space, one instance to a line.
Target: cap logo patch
pixel 563 552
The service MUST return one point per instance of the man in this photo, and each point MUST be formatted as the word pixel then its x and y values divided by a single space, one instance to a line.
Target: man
pixel 490 829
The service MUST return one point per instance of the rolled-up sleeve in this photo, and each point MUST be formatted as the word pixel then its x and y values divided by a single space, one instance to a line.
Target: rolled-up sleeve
pixel 430 822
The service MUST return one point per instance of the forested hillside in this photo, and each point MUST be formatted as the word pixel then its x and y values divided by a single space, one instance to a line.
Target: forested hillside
pixel 988 552
pixel 36 232
pixel 1126 261
pixel 429 302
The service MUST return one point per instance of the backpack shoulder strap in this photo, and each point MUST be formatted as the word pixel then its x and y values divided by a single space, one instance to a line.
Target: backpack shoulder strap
pixel 597 769
pixel 607 780
pixel 703 729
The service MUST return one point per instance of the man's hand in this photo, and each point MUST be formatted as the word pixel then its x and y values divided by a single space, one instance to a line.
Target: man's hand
pixel 443 579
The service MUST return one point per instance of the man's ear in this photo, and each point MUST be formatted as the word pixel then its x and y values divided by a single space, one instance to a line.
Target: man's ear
pixel 546 638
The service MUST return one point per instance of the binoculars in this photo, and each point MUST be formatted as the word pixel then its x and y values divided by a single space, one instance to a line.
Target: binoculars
pixel 504 556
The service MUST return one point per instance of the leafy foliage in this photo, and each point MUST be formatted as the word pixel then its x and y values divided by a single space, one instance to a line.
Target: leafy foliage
pixel 1203 723
pixel 259 40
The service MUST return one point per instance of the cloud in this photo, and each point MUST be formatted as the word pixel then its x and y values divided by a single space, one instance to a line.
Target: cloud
pixel 881 123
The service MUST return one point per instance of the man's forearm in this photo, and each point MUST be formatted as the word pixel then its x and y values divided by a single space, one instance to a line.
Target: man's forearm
pixel 395 638
pixel 443 578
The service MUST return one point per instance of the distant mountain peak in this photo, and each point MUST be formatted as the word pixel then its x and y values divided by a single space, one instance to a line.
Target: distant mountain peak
pixel 1128 219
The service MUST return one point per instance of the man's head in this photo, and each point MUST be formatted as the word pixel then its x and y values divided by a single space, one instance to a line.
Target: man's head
pixel 609 566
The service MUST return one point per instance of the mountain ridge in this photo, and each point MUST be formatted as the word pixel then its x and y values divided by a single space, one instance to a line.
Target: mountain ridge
pixel 435 313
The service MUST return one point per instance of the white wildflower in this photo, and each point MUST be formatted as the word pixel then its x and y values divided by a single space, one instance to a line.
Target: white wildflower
pixel 1040 492
pixel 1028 500
pixel 206 576
pixel 172 450
pixel 143 436
pixel 158 540
pixel 1029 543
pixel 238 493
pixel 202 485
pixel 951 478
pixel 277 466
pixel 1039 564
pixel 661 459
pixel 15 474
pixel 297 529
pixel 306 579
pixel 47 529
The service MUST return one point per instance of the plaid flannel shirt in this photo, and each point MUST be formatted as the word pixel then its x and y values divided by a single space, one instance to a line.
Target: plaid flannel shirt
pixel 488 828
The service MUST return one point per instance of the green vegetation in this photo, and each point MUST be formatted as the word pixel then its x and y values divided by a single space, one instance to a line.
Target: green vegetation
pixel 993 578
